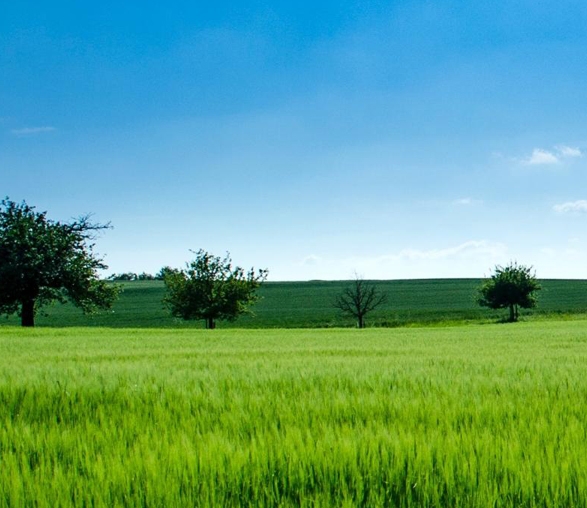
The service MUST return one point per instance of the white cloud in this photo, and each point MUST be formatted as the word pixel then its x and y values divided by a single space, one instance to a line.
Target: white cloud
pixel 569 151
pixel 27 131
pixel 541 157
pixel 572 207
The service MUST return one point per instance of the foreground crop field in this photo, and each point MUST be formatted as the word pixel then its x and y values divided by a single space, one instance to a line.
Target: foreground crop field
pixel 492 415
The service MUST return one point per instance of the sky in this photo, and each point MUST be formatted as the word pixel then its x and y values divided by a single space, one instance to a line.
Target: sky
pixel 389 139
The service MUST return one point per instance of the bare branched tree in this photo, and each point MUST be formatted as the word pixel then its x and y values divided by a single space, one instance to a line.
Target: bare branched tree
pixel 360 298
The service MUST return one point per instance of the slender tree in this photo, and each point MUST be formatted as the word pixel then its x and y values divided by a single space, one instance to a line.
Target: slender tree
pixel 360 298
pixel 510 287
pixel 211 289
pixel 42 260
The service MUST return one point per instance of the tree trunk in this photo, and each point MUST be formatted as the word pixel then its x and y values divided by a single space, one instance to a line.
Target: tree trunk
pixel 512 313
pixel 361 321
pixel 27 316
pixel 210 324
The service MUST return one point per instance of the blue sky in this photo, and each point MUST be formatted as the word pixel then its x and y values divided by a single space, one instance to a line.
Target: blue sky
pixel 402 139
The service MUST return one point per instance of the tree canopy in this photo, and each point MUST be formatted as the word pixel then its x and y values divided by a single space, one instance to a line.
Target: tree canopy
pixel 512 286
pixel 360 298
pixel 43 260
pixel 210 288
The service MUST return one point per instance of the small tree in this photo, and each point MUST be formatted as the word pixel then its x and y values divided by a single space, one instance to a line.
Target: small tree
pixel 512 286
pixel 210 288
pixel 360 298
pixel 42 260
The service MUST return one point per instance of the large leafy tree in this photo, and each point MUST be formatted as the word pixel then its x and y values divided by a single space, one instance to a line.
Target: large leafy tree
pixel 359 298
pixel 510 287
pixel 210 288
pixel 43 260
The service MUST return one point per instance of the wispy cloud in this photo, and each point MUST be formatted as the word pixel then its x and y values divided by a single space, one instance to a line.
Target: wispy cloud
pixel 542 157
pixel 467 259
pixel 569 151
pixel 311 260
pixel 466 249
pixel 466 202
pixel 579 206
pixel 29 131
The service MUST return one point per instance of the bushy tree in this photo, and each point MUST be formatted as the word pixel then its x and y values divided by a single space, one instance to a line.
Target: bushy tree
pixel 42 260
pixel 210 288
pixel 510 287
pixel 160 275
pixel 360 298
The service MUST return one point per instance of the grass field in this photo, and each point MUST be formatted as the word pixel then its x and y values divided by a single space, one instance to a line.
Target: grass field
pixel 310 304
pixel 492 415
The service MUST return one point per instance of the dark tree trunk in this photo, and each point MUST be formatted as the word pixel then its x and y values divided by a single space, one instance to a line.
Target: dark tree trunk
pixel 210 324
pixel 361 321
pixel 27 317
pixel 513 313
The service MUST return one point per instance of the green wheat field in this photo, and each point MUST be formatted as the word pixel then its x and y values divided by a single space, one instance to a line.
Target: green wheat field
pixel 469 416
pixel 310 305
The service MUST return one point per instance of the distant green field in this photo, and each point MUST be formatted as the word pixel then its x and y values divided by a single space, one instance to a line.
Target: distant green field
pixel 309 304
pixel 469 416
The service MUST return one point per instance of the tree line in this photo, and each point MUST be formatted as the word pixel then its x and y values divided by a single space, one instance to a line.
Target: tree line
pixel 132 276
pixel 42 261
